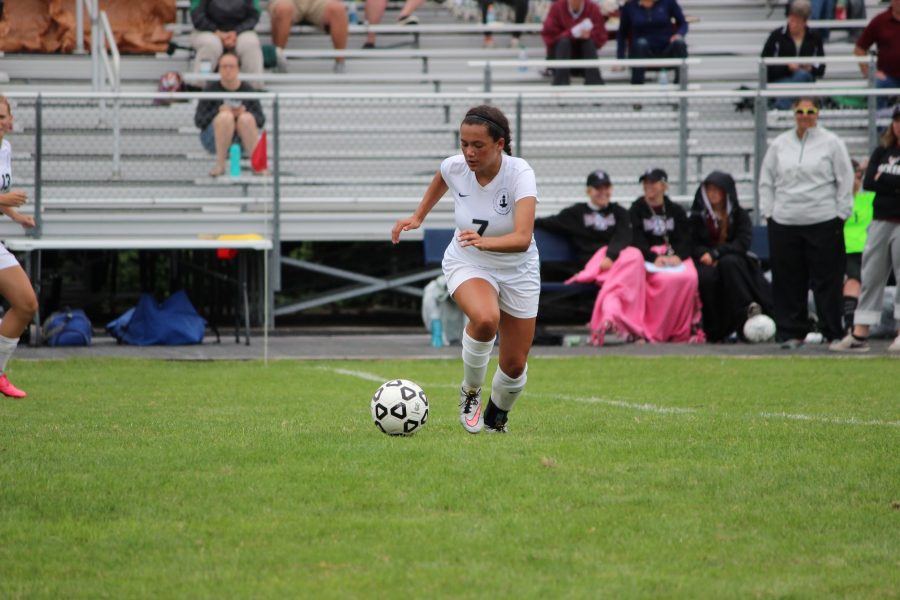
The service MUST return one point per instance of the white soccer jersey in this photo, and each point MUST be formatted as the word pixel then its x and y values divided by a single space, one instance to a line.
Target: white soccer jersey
pixel 490 210
pixel 5 167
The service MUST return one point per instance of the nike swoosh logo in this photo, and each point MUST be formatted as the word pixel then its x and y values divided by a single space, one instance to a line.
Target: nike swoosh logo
pixel 472 422
pixel 463 195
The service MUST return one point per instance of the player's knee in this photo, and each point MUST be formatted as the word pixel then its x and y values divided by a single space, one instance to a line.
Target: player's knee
pixel 483 326
pixel 514 366
pixel 29 306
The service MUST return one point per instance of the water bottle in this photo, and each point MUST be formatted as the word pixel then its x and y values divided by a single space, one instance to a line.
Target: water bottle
pixel 352 15
pixel 663 77
pixel 523 56
pixel 437 334
pixel 234 159
pixel 491 15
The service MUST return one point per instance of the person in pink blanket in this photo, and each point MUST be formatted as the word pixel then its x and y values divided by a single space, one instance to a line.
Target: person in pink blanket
pixel 600 231
pixel 651 294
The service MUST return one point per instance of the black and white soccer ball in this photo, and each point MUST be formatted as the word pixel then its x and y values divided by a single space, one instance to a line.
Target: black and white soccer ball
pixel 399 407
pixel 759 329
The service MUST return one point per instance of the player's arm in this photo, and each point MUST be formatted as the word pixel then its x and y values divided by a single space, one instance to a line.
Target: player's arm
pixel 436 190
pixel 516 241
pixel 25 221
pixel 13 198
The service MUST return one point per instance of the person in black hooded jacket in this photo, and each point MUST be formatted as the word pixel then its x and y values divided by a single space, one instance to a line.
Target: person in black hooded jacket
pixel 730 279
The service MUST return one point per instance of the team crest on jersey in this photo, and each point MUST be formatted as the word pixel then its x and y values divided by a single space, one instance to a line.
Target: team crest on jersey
pixel 502 202
pixel 657 225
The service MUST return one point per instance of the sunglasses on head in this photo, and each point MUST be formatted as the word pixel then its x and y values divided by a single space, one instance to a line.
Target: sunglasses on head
pixel 806 111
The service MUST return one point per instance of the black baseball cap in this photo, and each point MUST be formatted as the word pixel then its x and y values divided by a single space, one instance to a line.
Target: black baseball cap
pixel 654 174
pixel 896 112
pixel 598 178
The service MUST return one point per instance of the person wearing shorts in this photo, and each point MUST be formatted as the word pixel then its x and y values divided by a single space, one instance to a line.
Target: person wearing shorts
pixel 15 286
pixel 491 264
pixel 327 15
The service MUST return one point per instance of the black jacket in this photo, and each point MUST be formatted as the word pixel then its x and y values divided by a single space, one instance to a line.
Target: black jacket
pixel 647 228
pixel 885 161
pixel 208 109
pixel 740 228
pixel 780 43
pixel 224 15
pixel 589 229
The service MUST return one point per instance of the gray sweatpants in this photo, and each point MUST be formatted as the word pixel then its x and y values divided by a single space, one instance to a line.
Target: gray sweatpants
pixel 880 255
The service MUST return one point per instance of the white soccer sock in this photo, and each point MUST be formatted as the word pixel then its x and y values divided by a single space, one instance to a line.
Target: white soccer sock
pixel 476 356
pixel 7 347
pixel 505 390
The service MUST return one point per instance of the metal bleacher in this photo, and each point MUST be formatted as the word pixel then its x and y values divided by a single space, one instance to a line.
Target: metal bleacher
pixel 358 149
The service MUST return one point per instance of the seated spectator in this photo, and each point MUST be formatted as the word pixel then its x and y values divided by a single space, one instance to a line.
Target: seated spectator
pixel 650 293
pixel 375 12
pixel 731 282
pixel 223 122
pixel 600 230
pixel 794 39
pixel 521 13
pixel 882 251
pixel 883 31
pixel 221 25
pixel 661 231
pixel 597 224
pixel 327 15
pixel 651 29
pixel 854 240
pixel 574 29
pixel 819 10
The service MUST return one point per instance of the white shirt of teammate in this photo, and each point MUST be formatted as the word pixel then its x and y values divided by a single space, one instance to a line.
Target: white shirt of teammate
pixel 489 210
pixel 5 167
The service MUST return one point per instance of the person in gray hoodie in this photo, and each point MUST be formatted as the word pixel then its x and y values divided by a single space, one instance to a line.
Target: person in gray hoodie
pixel 805 195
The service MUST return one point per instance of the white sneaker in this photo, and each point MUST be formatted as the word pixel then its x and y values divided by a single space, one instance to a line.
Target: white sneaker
pixel 895 345
pixel 470 410
pixel 850 344
pixel 281 65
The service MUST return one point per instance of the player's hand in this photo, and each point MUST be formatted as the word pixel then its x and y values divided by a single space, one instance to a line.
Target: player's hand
pixel 706 259
pixel 606 264
pixel 411 222
pixel 13 198
pixel 229 39
pixel 470 237
pixel 26 221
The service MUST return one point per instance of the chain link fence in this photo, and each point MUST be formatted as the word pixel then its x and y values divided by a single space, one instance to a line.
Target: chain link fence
pixel 144 151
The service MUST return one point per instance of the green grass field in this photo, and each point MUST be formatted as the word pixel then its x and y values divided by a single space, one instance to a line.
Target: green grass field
pixel 621 478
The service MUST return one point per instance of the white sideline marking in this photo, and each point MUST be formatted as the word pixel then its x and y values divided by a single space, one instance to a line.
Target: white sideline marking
pixel 835 420
pixel 357 374
pixel 653 408
pixel 666 410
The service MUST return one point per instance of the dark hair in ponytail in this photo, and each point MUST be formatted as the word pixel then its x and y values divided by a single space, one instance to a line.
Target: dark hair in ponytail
pixel 494 120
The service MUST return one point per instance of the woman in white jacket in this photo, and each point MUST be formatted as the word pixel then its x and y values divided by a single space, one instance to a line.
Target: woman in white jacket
pixel 805 195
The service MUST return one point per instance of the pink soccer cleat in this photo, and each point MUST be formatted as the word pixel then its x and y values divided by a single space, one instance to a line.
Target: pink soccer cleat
pixel 8 389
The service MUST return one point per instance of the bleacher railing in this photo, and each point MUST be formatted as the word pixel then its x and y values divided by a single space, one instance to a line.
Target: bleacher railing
pixel 344 166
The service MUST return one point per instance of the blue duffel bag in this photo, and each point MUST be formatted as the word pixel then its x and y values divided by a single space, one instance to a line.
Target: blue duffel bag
pixel 69 327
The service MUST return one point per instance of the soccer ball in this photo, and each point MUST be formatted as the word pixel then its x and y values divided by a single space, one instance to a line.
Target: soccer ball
pixel 399 407
pixel 758 329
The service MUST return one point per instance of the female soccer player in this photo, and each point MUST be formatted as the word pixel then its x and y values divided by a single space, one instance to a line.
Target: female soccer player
pixel 14 283
pixel 491 264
